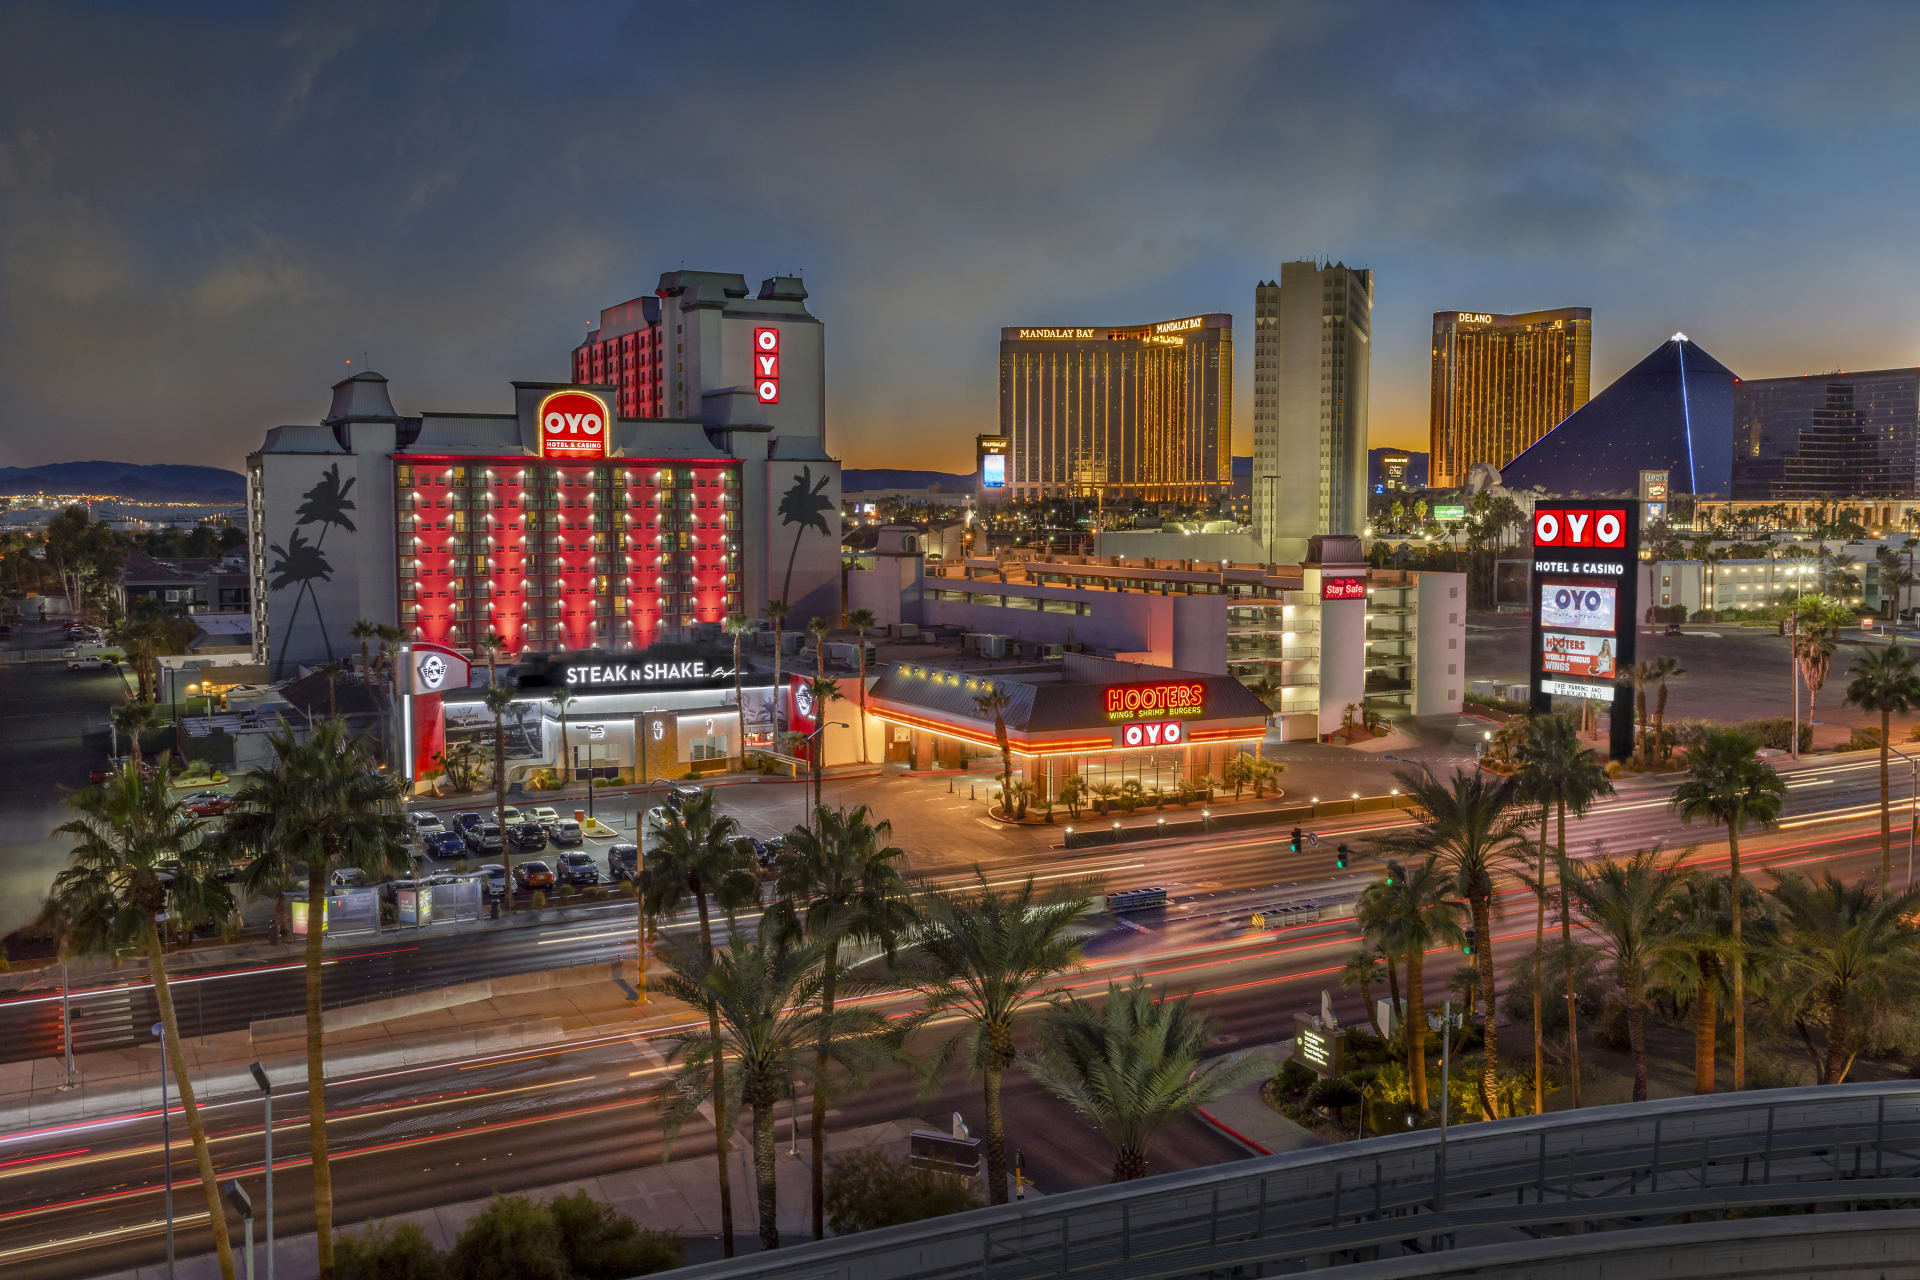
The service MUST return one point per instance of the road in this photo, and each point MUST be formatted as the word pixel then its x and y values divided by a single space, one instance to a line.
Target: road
pixel 84 1197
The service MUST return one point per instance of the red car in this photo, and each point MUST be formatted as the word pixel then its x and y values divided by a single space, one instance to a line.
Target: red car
pixel 206 804
pixel 533 875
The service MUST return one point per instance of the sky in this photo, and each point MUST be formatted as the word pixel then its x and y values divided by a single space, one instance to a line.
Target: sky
pixel 208 211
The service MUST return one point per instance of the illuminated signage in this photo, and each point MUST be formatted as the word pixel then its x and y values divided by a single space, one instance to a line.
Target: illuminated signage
pixel 1475 317
pixel 615 673
pixel 1575 689
pixel 766 365
pixel 1568 604
pixel 1573 655
pixel 436 669
pixel 1180 326
pixel 1315 1048
pixel 993 471
pixel 1580 527
pixel 573 424
pixel 1028 334
pixel 1444 512
pixel 1154 701
pixel 1161 733
pixel 1343 588
pixel 1160 340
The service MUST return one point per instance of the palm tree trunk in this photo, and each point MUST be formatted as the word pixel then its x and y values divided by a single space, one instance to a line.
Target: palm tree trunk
pixel 817 1130
pixel 1566 948
pixel 1739 963
pixel 861 640
pixel 1393 987
pixel 317 1069
pixel 720 1133
pixel 1416 1029
pixel 183 1081
pixel 1705 1024
pixel 1637 1037
pixel 763 1164
pixel 1886 812
pixel 1489 1007
pixel 1838 1060
pixel 1539 948
pixel 996 1122
pixel 1129 1163
pixel 1373 1019
pixel 500 802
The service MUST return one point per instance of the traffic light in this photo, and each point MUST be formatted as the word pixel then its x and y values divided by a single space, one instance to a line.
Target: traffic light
pixel 1296 840
pixel 1466 948
pixel 1340 857
pixel 1390 870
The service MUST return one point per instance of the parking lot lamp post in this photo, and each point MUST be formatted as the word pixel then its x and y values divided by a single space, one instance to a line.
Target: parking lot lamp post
pixel 166 1143
pixel 813 752
pixel 266 1098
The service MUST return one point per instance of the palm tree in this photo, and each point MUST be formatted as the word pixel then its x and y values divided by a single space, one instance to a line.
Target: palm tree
pixel 1559 772
pixel 823 691
pixel 561 700
pixel 805 506
pixel 1694 962
pixel 818 629
pixel 318 807
pixel 1362 970
pixel 1727 783
pixel 1641 675
pixel 776 611
pixel 132 719
pixel 1884 681
pixel 1131 1065
pixel 364 630
pixel 861 620
pixel 499 702
pixel 737 627
pixel 332 671
pixel 136 858
pixel 987 956
pixel 1813 648
pixel 762 994
pixel 1659 670
pixel 839 882
pixel 1847 957
pixel 1628 903
pixel 696 855
pixel 492 648
pixel 993 703
pixel 1472 826
pixel 1408 913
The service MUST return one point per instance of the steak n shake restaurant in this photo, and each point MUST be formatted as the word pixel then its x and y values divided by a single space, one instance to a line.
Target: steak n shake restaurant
pixel 1105 720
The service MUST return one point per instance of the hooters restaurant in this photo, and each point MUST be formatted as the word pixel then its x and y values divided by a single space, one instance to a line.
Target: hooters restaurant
pixel 1104 720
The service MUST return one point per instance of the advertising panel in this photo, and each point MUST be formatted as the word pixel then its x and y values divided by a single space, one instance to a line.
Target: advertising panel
pixel 1575 655
pixel 1167 733
pixel 1448 511
pixel 993 471
pixel 1155 701
pixel 766 365
pixel 573 425
pixel 1343 588
pixel 1576 605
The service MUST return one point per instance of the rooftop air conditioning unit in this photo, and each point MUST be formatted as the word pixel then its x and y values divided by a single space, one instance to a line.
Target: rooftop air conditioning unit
pixel 1052 652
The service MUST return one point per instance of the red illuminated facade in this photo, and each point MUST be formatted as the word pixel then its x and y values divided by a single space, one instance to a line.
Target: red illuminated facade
pixel 625 353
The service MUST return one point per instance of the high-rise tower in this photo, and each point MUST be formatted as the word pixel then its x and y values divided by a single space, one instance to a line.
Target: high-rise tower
pixel 1500 382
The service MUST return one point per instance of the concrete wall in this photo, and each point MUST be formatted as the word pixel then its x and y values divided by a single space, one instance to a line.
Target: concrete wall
pixel 1343 653
pixel 1440 644
pixel 1187 632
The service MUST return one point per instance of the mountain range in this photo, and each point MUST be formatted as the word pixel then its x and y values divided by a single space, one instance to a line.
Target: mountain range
pixel 867 479
pixel 150 482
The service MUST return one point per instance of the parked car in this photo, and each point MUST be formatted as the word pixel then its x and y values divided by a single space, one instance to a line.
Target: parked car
pixel 348 878
pixel 623 861
pixel 682 796
pixel 484 838
pixel 765 855
pixel 577 868
pixel 544 814
pixel 533 874
pixel 530 836
pixel 89 662
pixel 565 831
pixel 656 817
pixel 206 804
pixel 465 822
pixel 446 844
pixel 423 823
pixel 495 884
pixel 511 814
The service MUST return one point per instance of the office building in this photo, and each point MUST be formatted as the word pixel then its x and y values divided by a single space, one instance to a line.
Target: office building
pixel 1500 382
pixel 1832 435
pixel 1141 412
pixel 1313 335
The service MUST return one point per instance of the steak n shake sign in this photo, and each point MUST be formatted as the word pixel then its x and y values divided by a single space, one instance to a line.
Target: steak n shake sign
pixel 616 673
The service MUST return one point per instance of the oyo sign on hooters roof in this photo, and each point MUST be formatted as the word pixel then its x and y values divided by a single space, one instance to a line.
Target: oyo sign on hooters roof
pixel 766 365
pixel 573 424
pixel 1580 527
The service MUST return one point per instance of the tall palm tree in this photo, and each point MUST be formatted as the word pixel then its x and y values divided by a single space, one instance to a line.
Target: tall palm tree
pixel 1473 826
pixel 317 807
pixel 499 702
pixel 987 955
pixel 697 856
pixel 776 611
pixel 1408 913
pixel 492 648
pixel 861 620
pixel 1560 772
pixel 1131 1064
pixel 135 858
pixel 819 629
pixel 364 630
pixel 1694 962
pixel 332 671
pixel 840 882
pixel 1728 784
pixel 1629 904
pixel 1362 970
pixel 561 700
pixel 132 719
pixel 738 625
pixel 1813 648
pixel 823 691
pixel 993 703
pixel 1847 956
pixel 1660 669
pixel 1641 675
pixel 764 996
pixel 1884 681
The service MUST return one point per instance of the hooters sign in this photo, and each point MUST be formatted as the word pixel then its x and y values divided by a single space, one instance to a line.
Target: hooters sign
pixel 766 365
pixel 573 424
pixel 1604 527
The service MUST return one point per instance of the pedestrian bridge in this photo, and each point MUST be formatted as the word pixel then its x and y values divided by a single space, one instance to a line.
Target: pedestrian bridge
pixel 1674 1187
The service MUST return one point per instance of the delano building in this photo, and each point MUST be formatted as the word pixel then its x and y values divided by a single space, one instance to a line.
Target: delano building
pixel 1142 412
pixel 1500 382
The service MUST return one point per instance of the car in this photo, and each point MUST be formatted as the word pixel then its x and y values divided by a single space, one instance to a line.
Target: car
pixel 484 838
pixel 511 814
pixel 348 878
pixel 623 861
pixel 680 797
pixel 656 817
pixel 577 868
pixel 465 822
pixel 446 844
pixel 533 874
pixel 530 836
pixel 90 662
pixel 565 831
pixel 423 823
pixel 1673 629
pixel 544 814
pixel 766 855
pixel 206 804
pixel 495 884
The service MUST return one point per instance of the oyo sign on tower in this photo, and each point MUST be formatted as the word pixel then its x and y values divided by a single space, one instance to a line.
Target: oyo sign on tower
pixel 766 365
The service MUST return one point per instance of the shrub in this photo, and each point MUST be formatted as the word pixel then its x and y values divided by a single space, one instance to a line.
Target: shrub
pixel 868 1189
pixel 539 899
pixel 514 1238
pixel 387 1251
pixel 1296 1077
pixel 1863 740
pixel 1777 732
pixel 604 1245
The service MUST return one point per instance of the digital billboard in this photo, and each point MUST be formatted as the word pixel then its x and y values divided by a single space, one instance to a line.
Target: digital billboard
pixel 993 471
pixel 1573 604
pixel 1586 575
pixel 1577 655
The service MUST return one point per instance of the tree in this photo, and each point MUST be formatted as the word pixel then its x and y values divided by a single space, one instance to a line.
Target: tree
pixel 1265 773
pixel 331 673
pixel 861 620
pixel 1628 902
pixel 492 648
pixel 513 1238
pixel 601 1244
pixel 1728 784
pixel 1884 681
pixel 993 703
pixel 1659 670
pixel 1362 970
pixel 132 719
pixel 1334 1095
pixel 776 611
pixel 738 625
pixel 840 882
pixel 136 858
pixel 697 855
pixel 1408 913
pixel 987 955
pixel 317 807
pixel 388 1251
pixel 1237 772
pixel 1073 793
pixel 1131 1065
pixel 1556 771
pixel 823 691
pixel 561 700
pixel 1694 962
pixel 364 631
pixel 1641 675
pixel 868 1189
pixel 1472 827
pixel 1847 957
pixel 499 702
pixel 764 994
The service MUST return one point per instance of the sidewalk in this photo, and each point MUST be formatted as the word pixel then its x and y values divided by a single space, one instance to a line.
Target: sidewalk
pixel 682 1195
pixel 1246 1118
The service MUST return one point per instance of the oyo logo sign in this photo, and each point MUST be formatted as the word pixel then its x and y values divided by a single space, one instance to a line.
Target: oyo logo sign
pixel 1580 527
pixel 1166 734
pixel 573 424
pixel 766 365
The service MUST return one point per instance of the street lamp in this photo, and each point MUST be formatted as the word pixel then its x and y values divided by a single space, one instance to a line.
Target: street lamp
pixel 166 1142
pixel 806 810
pixel 242 1204
pixel 266 1099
